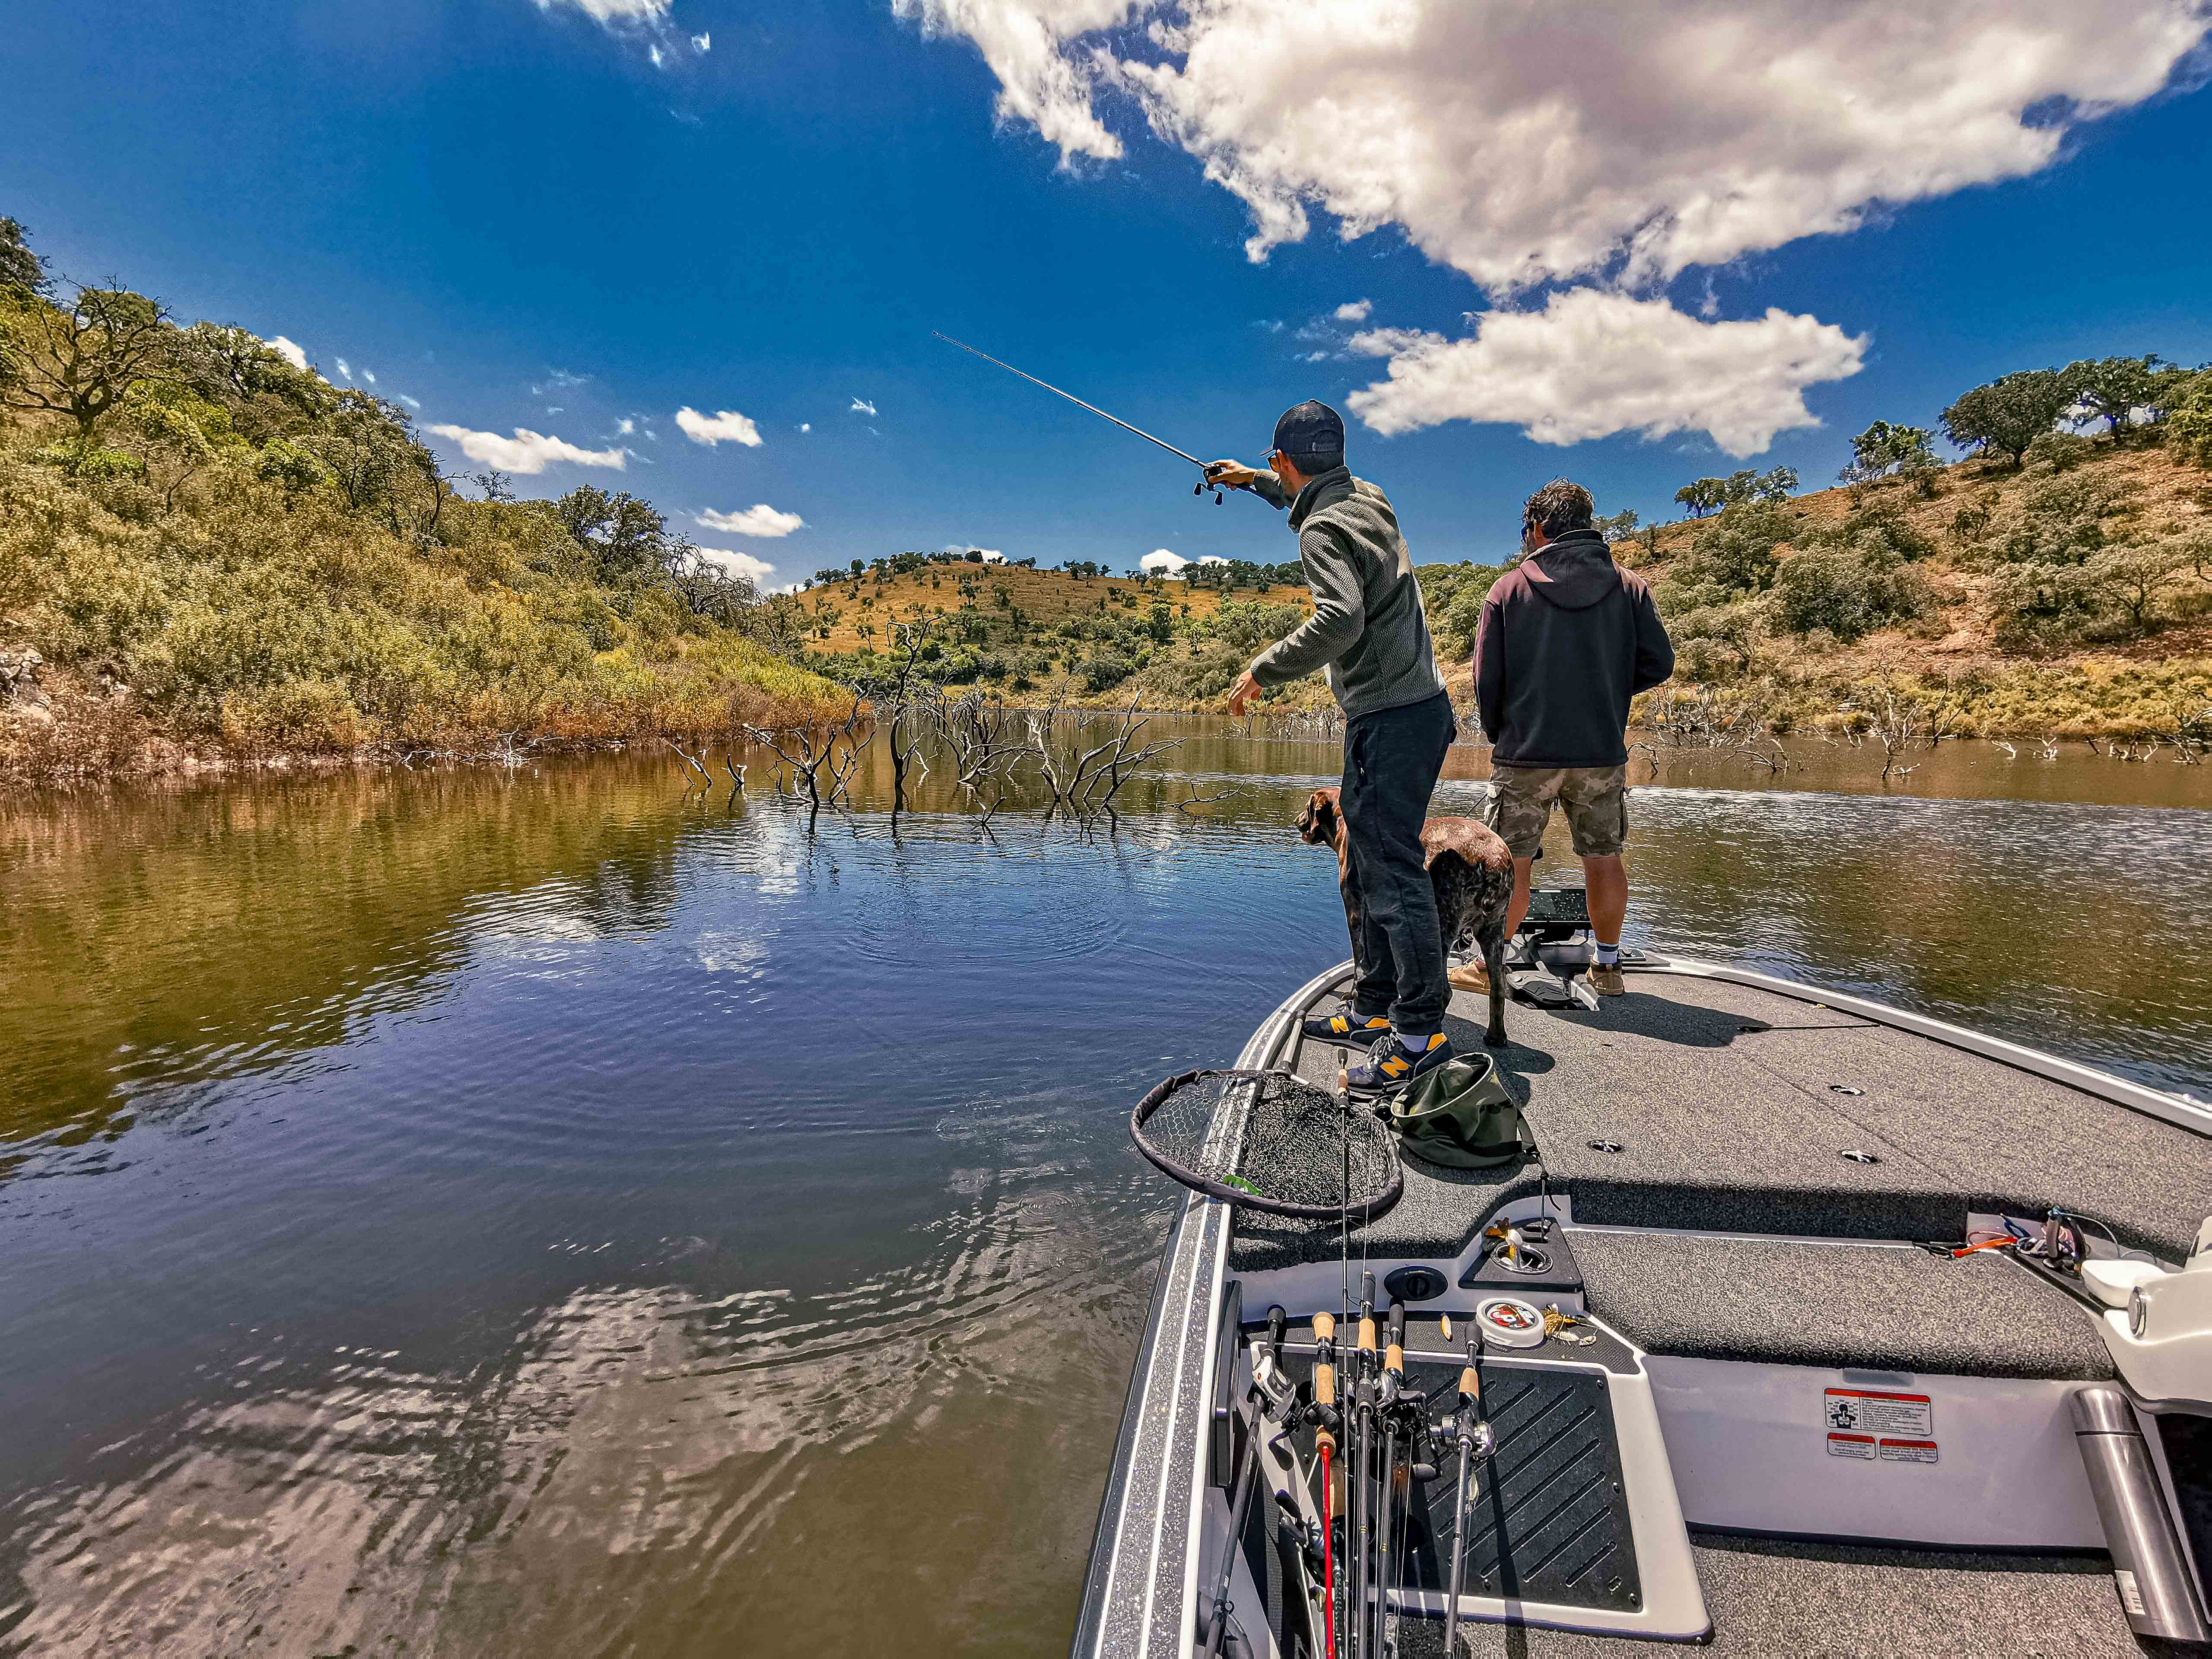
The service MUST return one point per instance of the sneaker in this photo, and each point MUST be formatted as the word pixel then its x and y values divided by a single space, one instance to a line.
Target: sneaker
pixel 1470 977
pixel 1607 980
pixel 1346 1029
pixel 1391 1065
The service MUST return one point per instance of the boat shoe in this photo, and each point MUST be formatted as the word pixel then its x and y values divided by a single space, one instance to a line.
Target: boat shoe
pixel 1346 1029
pixel 1606 979
pixel 1388 1067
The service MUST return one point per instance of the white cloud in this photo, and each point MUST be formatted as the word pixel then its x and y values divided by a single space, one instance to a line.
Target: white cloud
pixel 1526 143
pixel 1212 558
pixel 290 352
pixel 757 520
pixel 756 571
pixel 1026 43
pixel 702 44
pixel 1354 311
pixel 991 554
pixel 526 452
pixel 806 426
pixel 414 403
pixel 624 427
pixel 1591 363
pixel 344 370
pixel 616 14
pixel 367 376
pixel 726 426
pixel 1162 562
pixel 861 406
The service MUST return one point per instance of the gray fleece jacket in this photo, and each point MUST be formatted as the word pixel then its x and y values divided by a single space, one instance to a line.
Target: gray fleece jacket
pixel 1368 628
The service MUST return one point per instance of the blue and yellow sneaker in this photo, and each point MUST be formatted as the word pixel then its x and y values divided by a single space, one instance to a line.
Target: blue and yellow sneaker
pixel 1346 1029
pixel 1390 1066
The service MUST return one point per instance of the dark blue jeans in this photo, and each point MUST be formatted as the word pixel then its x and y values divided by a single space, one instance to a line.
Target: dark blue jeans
pixel 1392 759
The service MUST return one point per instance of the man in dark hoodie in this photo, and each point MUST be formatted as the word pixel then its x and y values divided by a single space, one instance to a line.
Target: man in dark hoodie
pixel 1370 632
pixel 1566 638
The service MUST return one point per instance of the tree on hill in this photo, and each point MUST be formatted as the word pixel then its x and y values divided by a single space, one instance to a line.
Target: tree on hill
pixel 1884 451
pixel 1702 497
pixel 18 266
pixel 2112 389
pixel 2010 413
pixel 83 359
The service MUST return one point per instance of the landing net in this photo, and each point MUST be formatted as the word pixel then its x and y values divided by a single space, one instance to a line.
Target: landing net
pixel 1269 1142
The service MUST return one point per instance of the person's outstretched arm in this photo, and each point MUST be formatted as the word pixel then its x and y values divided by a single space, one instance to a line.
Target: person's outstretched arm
pixel 1235 475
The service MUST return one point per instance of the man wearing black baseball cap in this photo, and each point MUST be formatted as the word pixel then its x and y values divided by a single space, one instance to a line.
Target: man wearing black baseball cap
pixel 1370 632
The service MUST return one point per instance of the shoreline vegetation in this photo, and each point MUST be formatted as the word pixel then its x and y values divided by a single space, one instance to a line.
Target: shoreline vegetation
pixel 212 560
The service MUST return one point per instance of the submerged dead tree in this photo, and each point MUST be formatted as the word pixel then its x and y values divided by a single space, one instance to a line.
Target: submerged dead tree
pixel 1084 779
pixel 808 749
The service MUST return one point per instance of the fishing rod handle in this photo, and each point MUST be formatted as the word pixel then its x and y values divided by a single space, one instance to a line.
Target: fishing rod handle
pixel 1470 1386
pixel 1324 1326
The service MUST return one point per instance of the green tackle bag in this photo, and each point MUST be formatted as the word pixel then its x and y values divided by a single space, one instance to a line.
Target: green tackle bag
pixel 1460 1116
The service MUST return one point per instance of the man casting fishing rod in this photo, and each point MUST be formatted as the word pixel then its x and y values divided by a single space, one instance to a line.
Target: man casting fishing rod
pixel 1370 631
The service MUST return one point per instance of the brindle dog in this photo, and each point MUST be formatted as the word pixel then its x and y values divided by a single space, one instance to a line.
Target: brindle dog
pixel 1470 870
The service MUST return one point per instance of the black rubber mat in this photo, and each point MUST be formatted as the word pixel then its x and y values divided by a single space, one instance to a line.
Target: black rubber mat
pixel 1550 1522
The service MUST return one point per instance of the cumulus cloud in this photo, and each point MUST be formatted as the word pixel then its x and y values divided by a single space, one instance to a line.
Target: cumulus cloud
pixel 756 571
pixel 1354 311
pixel 724 426
pixel 1162 562
pixel 806 426
pixel 1524 144
pixel 760 519
pixel 290 352
pixel 1043 79
pixel 526 452
pixel 862 406
pixel 1590 364
pixel 616 14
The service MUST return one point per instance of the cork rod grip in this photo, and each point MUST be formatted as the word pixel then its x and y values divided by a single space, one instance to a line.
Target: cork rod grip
pixel 1367 1335
pixel 1324 1326
pixel 1470 1384
pixel 1394 1359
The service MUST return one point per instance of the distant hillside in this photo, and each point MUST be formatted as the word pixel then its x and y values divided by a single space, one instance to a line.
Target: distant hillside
pixel 211 556
pixel 2065 596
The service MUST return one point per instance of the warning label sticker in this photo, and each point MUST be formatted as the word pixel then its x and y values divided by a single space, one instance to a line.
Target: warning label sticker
pixel 1911 1415
pixel 1860 1446
pixel 1908 1451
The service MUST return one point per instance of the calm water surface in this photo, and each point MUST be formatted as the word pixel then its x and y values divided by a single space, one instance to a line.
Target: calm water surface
pixel 551 1212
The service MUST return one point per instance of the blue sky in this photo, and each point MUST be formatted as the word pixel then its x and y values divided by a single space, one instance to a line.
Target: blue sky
pixel 509 212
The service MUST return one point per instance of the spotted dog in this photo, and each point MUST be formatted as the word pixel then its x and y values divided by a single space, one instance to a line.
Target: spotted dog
pixel 1471 874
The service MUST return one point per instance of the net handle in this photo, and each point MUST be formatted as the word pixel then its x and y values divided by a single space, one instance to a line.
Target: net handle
pixel 1366 1209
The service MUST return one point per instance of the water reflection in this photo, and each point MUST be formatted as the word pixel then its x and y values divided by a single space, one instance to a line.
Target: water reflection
pixel 503 1212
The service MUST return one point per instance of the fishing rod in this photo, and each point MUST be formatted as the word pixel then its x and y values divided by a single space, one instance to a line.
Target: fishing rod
pixel 1393 1384
pixel 1363 1465
pixel 1324 1394
pixel 1474 1436
pixel 1197 489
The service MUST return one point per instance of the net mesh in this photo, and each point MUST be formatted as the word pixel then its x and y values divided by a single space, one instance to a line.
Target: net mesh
pixel 1269 1142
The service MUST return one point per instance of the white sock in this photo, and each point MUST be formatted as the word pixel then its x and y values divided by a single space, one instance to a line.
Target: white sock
pixel 1608 956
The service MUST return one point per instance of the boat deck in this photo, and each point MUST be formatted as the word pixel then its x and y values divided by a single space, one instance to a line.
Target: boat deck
pixel 1695 1131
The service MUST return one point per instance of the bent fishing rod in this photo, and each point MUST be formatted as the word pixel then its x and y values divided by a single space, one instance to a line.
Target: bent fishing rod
pixel 1205 477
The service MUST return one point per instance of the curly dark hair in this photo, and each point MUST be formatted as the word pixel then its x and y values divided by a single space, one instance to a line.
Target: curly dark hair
pixel 1560 506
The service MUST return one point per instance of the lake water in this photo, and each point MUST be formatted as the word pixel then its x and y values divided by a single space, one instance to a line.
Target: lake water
pixel 551 1211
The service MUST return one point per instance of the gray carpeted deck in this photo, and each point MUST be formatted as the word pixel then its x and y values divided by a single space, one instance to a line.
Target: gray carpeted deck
pixel 1770 1596
pixel 1885 1307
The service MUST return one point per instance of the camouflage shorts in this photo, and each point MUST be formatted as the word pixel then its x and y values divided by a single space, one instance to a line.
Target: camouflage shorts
pixel 1594 797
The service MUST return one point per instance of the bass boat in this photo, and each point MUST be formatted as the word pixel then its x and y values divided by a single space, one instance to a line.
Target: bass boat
pixel 1799 1324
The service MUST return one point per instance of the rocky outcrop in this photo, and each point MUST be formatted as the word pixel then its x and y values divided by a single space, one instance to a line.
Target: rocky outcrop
pixel 21 694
